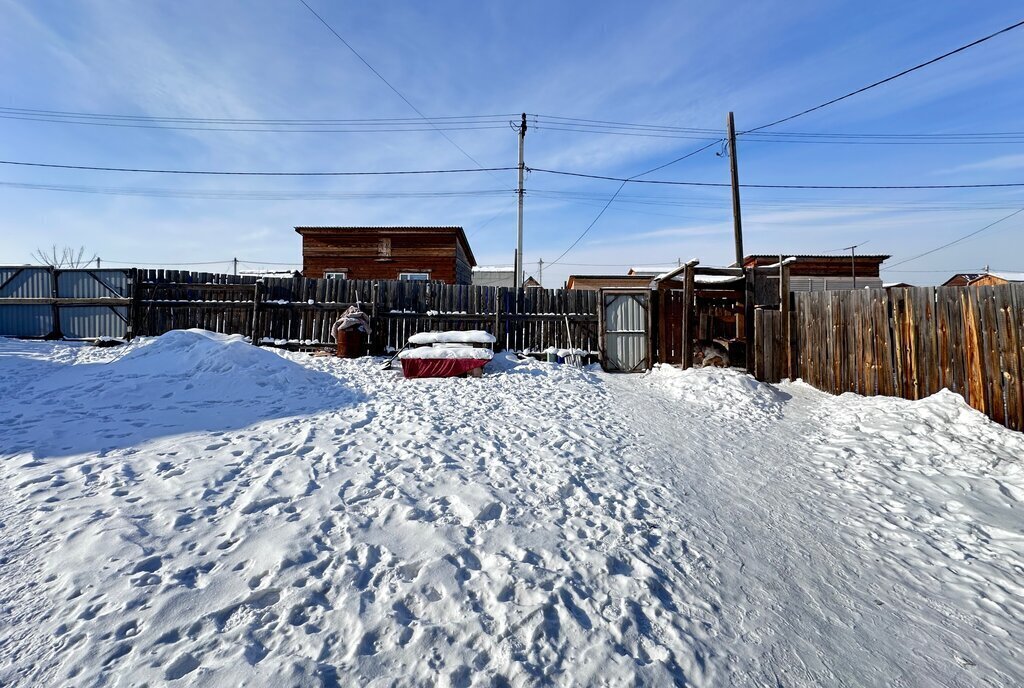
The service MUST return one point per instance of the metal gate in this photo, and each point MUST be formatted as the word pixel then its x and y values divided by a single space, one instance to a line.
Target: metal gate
pixel 75 304
pixel 625 330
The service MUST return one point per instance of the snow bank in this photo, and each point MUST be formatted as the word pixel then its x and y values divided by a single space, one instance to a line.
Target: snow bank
pixel 184 380
pixel 542 525
pixel 459 352
pixel 463 336
pixel 724 392
pixel 177 362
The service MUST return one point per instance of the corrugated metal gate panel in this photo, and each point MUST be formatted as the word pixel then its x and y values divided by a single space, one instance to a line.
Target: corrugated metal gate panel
pixel 18 282
pixel 93 322
pixel 25 282
pixel 26 321
pixel 76 322
pixel 626 336
pixel 92 284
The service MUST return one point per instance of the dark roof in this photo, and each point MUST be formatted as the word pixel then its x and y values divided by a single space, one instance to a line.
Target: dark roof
pixel 636 278
pixel 445 229
pixel 833 256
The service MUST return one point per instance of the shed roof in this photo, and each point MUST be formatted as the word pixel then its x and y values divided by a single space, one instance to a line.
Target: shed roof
pixel 817 256
pixel 459 232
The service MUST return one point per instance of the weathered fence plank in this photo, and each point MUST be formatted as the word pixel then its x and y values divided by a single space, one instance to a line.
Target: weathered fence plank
pixel 909 343
pixel 296 309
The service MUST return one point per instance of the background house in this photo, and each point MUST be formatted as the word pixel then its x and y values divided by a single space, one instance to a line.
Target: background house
pixel 983 279
pixel 826 273
pixel 492 276
pixel 405 253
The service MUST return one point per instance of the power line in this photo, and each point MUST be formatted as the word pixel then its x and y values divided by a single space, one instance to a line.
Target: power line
pixel 500 118
pixel 957 241
pixel 817 202
pixel 621 187
pixel 634 180
pixel 889 78
pixel 388 83
pixel 257 129
pixel 822 139
pixel 478 122
pixel 232 195
pixel 252 174
pixel 493 218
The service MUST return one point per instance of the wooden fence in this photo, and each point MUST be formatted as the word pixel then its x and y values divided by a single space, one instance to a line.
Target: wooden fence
pixel 907 343
pixel 303 310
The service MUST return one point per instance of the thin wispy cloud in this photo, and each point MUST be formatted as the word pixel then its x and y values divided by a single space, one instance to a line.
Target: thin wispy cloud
pixel 652 63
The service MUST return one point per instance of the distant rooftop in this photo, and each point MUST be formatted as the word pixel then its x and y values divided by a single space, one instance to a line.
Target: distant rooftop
pixel 417 229
pixel 816 256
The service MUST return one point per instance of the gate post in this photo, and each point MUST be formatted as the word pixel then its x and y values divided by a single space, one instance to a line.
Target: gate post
pixel 687 326
pixel 55 331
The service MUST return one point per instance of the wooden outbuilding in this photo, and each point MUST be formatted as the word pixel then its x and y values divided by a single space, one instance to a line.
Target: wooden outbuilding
pixel 403 253
pixel 983 279
pixel 690 316
pixel 837 272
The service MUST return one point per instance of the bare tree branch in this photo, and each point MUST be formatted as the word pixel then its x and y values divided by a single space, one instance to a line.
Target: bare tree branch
pixel 65 257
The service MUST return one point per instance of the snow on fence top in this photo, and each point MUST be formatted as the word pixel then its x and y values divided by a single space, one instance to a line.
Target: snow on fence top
pixel 455 336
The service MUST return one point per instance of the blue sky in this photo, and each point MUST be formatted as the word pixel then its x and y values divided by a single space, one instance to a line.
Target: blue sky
pixel 670 63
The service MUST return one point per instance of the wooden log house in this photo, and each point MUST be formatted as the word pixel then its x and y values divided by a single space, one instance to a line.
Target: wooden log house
pixel 381 253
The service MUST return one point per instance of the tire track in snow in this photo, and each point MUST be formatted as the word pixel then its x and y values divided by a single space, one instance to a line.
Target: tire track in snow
pixel 811 598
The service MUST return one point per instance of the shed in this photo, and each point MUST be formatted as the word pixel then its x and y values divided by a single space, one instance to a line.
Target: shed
pixel 818 272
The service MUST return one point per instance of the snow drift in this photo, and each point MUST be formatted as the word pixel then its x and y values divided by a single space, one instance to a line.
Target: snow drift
pixel 542 525
pixel 182 381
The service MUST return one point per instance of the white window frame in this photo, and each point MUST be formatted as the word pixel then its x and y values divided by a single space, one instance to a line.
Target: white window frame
pixel 336 274
pixel 414 276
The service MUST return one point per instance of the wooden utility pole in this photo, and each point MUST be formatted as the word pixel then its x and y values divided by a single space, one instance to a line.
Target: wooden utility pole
pixel 519 235
pixel 235 262
pixel 97 262
pixel 853 265
pixel 737 221
pixel 540 271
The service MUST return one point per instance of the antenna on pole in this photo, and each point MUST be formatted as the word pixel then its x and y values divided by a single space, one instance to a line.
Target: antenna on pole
pixel 853 260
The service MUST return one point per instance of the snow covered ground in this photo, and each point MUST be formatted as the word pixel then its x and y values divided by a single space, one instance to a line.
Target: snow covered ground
pixel 194 510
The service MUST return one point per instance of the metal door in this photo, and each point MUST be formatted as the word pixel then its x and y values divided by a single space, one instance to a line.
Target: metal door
pixel 625 331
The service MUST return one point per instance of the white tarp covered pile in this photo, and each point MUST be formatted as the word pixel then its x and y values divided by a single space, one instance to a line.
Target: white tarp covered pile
pixel 353 318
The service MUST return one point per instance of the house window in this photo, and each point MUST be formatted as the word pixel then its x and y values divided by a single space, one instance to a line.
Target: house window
pixel 414 276
pixel 384 248
pixel 336 274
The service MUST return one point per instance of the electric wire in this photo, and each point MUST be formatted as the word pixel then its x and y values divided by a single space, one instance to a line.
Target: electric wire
pixel 634 180
pixel 241 173
pixel 236 195
pixel 621 187
pixel 388 83
pixel 889 78
pixel 958 240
